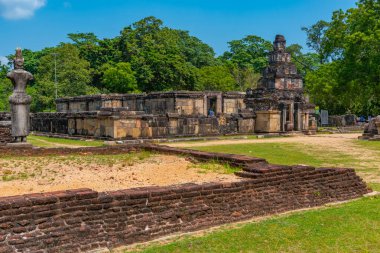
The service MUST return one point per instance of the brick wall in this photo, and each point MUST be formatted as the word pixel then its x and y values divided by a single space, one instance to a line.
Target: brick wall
pixel 81 220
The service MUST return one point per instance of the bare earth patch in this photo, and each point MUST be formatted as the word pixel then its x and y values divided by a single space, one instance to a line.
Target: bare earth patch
pixel 100 173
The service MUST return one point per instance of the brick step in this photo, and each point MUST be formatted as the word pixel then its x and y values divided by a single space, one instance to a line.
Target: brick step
pixel 248 174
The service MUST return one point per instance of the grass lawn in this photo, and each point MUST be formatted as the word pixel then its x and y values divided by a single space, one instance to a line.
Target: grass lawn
pixel 49 142
pixel 284 153
pixel 374 145
pixel 350 227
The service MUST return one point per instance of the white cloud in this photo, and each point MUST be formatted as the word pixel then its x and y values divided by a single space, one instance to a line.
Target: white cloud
pixel 3 60
pixel 20 9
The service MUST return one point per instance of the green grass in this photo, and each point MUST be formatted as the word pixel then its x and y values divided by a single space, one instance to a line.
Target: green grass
pixel 42 141
pixel 214 166
pixel 351 227
pixel 373 145
pixel 285 153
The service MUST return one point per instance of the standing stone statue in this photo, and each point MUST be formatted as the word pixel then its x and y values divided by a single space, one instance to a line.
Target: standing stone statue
pixel 19 100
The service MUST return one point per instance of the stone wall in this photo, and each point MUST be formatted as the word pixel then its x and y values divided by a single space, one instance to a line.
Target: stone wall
pixel 113 123
pixel 5 116
pixel 342 120
pixel 5 132
pixel 83 220
pixel 49 122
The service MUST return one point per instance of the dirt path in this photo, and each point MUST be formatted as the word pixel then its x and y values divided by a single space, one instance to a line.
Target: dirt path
pixel 57 145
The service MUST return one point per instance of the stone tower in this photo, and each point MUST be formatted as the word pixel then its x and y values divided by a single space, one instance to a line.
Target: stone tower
pixel 281 72
pixel 279 102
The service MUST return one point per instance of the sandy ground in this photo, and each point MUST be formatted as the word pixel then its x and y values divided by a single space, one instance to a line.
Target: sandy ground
pixel 102 173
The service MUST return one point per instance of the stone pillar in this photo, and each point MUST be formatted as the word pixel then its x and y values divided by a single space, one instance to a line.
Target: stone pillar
pixel 219 104
pixel 205 103
pixel 306 121
pixel 290 122
pixel 284 114
pixel 298 126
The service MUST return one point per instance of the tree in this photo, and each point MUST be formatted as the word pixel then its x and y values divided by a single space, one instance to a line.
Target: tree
pixel 215 78
pixel 119 78
pixel 157 57
pixel 351 41
pixel 73 76
pixel 249 52
pixel 304 62
pixel 195 51
pixel 316 38
pixel 5 88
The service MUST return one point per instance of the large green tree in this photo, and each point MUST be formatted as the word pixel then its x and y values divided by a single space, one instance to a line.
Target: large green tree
pixel 119 78
pixel 73 77
pixel 352 42
pixel 249 52
pixel 216 78
pixel 5 88
pixel 162 58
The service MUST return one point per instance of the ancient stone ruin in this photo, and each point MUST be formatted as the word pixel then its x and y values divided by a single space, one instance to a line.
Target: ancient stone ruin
pixel 280 104
pixel 277 106
pixel 372 130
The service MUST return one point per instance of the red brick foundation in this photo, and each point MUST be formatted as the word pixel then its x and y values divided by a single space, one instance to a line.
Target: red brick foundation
pixel 82 220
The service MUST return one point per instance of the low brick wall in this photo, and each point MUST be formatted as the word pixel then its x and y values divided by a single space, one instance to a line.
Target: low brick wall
pixel 5 132
pixel 82 220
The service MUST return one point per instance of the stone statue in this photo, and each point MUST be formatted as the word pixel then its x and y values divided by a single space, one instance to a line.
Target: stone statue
pixel 19 100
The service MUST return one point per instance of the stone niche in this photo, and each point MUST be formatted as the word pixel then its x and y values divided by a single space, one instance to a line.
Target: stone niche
pixel 268 121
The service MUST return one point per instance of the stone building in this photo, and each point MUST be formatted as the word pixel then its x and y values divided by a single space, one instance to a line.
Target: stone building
pixel 153 115
pixel 279 103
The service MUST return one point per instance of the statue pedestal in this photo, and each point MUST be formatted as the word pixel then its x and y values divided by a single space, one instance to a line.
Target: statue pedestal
pixel 19 145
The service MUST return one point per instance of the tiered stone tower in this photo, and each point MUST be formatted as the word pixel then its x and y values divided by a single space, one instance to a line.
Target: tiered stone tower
pixel 279 101
pixel 281 72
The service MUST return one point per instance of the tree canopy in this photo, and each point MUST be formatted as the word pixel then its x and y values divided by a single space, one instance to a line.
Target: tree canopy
pixel 341 68
pixel 349 77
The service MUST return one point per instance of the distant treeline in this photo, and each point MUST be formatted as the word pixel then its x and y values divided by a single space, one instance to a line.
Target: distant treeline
pixel 341 69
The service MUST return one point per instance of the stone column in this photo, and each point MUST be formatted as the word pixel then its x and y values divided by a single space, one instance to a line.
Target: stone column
pixel 284 114
pixel 205 104
pixel 306 121
pixel 219 104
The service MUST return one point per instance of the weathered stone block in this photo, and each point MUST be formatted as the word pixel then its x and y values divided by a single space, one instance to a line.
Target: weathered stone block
pixel 267 121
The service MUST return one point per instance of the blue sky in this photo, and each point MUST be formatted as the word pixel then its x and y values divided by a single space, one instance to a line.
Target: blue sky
pixel 36 24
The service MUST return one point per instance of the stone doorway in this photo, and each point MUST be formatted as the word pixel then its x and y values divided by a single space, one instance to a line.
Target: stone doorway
pixel 211 106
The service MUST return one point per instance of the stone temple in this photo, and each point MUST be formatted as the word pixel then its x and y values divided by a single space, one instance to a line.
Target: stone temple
pixel 278 105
